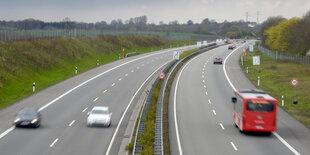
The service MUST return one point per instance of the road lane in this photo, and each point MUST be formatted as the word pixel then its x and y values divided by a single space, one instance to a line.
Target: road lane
pixel 55 136
pixel 198 120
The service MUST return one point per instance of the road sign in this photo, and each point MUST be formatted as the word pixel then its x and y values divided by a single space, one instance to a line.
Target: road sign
pixel 176 55
pixel 251 48
pixel 256 60
pixel 294 82
pixel 161 75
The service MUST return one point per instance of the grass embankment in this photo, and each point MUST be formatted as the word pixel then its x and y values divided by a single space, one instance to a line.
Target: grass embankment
pixel 47 62
pixel 275 77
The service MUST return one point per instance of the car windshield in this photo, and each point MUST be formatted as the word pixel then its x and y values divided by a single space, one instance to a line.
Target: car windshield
pixel 259 105
pixel 27 112
pixel 99 111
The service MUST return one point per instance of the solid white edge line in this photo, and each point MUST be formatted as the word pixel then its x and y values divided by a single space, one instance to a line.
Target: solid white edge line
pixel 222 126
pixel 69 91
pixel 232 86
pixel 174 107
pixel 71 123
pixel 54 142
pixel 120 122
pixel 285 143
pixel 234 146
pixel 85 109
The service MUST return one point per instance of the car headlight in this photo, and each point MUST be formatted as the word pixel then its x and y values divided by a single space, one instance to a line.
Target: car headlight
pixel 34 120
pixel 16 120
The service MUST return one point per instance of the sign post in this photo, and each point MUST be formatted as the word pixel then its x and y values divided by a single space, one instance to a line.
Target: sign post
pixel 294 82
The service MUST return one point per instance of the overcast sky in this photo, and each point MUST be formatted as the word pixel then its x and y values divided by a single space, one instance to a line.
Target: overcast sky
pixel 155 10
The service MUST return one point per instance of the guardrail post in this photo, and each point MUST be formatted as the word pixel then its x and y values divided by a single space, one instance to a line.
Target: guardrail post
pixel 75 69
pixel 282 101
pixel 258 80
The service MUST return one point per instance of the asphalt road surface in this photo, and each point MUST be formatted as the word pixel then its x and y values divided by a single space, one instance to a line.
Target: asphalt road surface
pixel 64 108
pixel 200 112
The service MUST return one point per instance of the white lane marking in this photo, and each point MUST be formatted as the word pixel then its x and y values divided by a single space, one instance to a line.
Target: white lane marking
pixel 142 64
pixel 206 93
pixel 214 112
pixel 233 145
pixel 203 81
pixel 85 109
pixel 132 71
pixel 95 99
pixel 233 87
pixel 104 91
pixel 71 123
pixel 126 74
pixel 204 86
pixel 174 107
pixel 7 131
pixel 119 79
pixel 113 84
pixel 209 101
pixel 138 67
pixel 203 72
pixel 203 69
pixel 54 142
pixel 285 143
pixel 120 122
pixel 203 76
pixel 76 87
pixel 222 126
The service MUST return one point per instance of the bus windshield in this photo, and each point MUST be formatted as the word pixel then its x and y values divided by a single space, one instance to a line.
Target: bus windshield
pixel 259 105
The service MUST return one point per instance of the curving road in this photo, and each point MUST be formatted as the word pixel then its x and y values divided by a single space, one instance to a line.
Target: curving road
pixel 64 108
pixel 200 112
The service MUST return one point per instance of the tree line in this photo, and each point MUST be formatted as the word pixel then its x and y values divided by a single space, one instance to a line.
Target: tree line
pixel 236 29
pixel 287 35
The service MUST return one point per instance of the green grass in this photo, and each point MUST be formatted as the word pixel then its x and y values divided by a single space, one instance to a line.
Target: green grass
pixel 275 80
pixel 47 62
pixel 186 53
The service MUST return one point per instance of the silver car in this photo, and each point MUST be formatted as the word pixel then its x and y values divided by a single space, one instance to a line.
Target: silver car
pixel 99 116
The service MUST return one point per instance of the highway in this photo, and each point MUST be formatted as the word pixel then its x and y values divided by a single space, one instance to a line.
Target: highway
pixel 64 108
pixel 200 112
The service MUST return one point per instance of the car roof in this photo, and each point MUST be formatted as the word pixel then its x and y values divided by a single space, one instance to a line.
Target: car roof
pixel 100 108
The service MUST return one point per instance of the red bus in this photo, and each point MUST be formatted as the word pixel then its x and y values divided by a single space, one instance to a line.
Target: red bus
pixel 254 110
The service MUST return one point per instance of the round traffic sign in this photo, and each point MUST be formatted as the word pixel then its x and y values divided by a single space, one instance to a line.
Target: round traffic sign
pixel 161 75
pixel 294 82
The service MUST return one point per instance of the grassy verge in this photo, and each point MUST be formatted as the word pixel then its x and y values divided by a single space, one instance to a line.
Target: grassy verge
pixel 148 137
pixel 275 78
pixel 47 62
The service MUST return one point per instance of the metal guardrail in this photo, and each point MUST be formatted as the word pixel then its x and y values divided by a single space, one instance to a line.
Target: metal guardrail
pixel 158 142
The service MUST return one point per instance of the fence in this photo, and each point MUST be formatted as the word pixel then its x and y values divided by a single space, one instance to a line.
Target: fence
pixel 305 60
pixel 22 35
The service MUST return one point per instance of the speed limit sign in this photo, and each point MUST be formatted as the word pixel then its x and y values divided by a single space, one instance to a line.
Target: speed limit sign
pixel 161 75
pixel 294 82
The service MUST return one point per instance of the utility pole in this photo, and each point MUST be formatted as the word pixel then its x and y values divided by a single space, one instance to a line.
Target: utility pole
pixel 257 17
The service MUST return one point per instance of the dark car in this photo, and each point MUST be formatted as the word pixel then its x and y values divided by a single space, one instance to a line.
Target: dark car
pixel 28 117
pixel 218 60
pixel 231 47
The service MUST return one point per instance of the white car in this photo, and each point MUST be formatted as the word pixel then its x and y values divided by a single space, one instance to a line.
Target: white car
pixel 100 116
